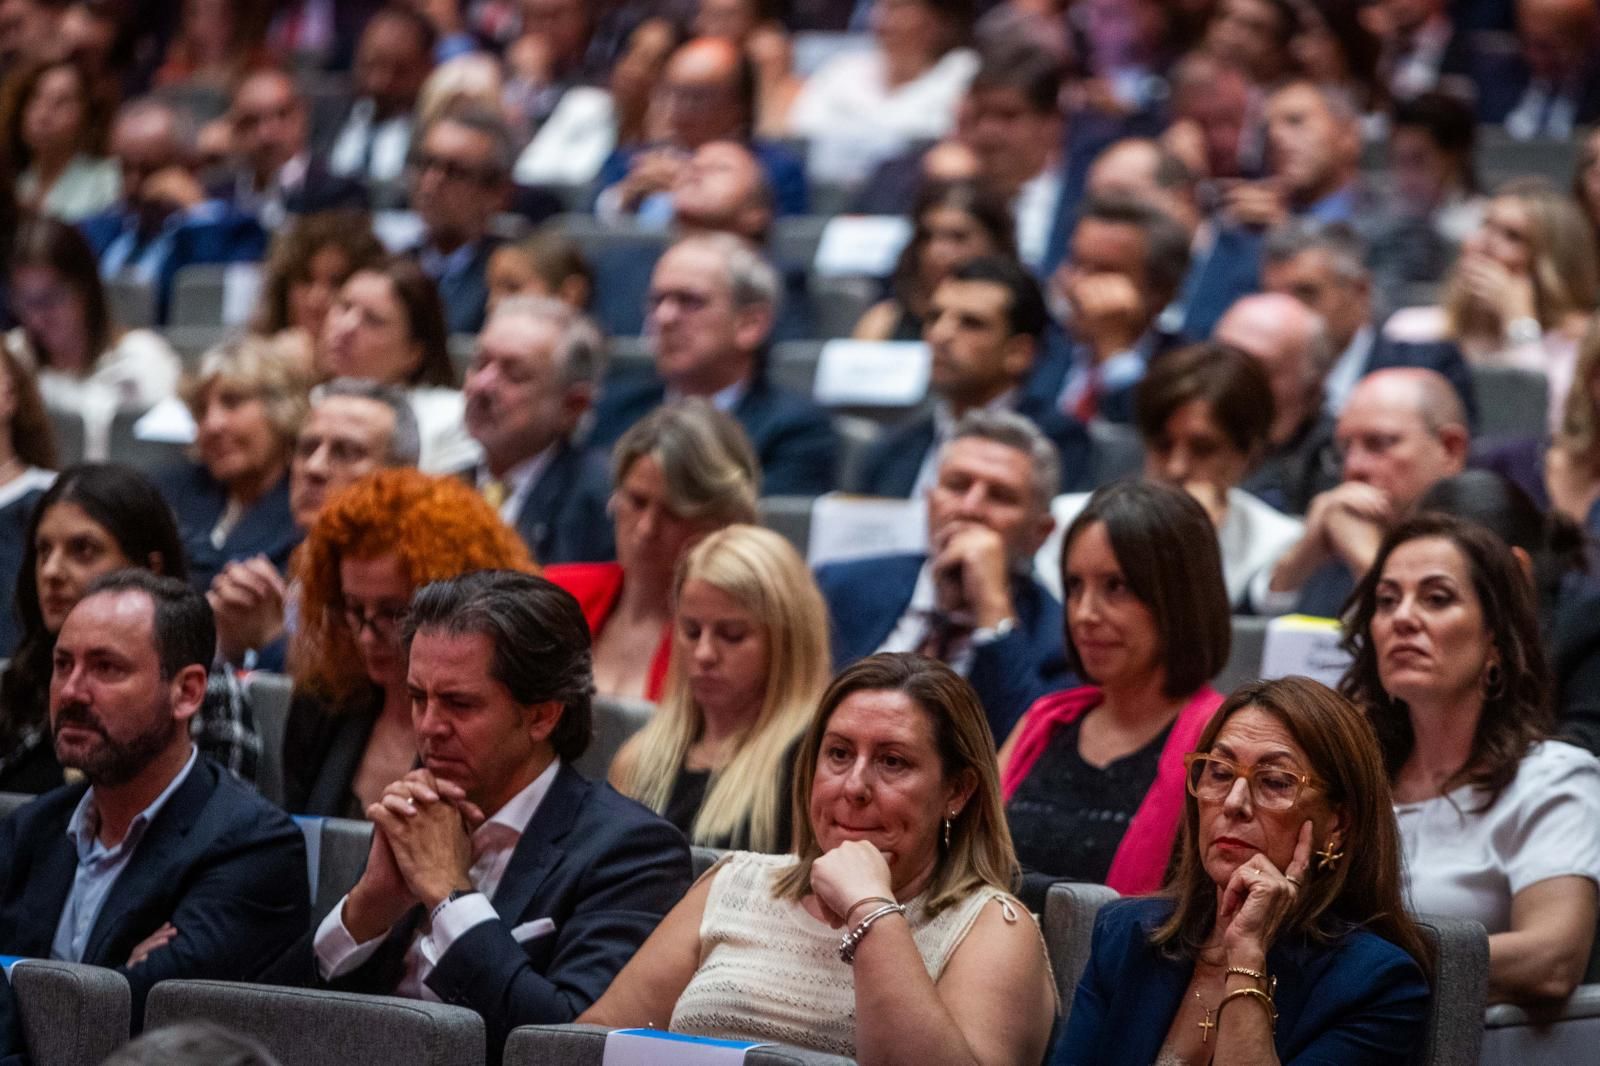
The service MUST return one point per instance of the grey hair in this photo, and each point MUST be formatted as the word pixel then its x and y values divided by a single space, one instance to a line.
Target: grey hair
pixel 405 442
pixel 1343 246
pixel 580 349
pixel 480 119
pixel 185 130
pixel 752 281
pixel 710 469
pixel 1014 431
pixel 192 1043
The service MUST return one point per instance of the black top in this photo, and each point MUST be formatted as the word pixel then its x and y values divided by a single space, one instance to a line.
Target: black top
pixel 688 793
pixel 1068 817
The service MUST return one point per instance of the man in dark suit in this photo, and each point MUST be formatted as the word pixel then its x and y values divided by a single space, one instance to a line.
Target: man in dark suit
pixel 1550 86
pixel 530 385
pixel 499 878
pixel 972 601
pixel 713 300
pixel 460 177
pixel 162 865
pixel 391 63
pixel 983 327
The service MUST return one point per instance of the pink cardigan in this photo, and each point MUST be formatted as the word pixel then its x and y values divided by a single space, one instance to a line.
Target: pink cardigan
pixel 1141 858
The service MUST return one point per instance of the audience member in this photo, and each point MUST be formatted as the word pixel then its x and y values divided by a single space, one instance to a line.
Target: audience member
pixel 897 746
pixel 459 177
pixel 1552 88
pixel 392 59
pixel 1402 430
pixel 577 117
pixel 1497 823
pixel 372 545
pixel 1334 47
pixel 160 864
pixel 54 122
pixel 1423 49
pixel 984 327
pixel 952 223
pixel 755 26
pixel 1246 916
pixel 191 1044
pixel 970 600
pixel 1255 36
pixel 1214 111
pixel 27 30
pixel 501 685
pixel 216 43
pixel 1092 776
pixel 721 189
pixel 309 35
pixel 27 468
pixel 87 365
pixel 712 304
pixel 682 471
pixel 307 265
pixel 387 325
pixel 232 501
pixel 549 263
pixel 94 519
pixel 1432 145
pixel 1313 143
pixel 751 648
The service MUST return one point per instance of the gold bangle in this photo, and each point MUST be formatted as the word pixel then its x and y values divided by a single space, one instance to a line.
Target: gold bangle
pixel 1253 992
pixel 1244 971
pixel 865 899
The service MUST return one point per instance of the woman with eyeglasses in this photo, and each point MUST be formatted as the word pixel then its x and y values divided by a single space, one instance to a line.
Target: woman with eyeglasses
pixel 1281 934
pixel 1498 822
pixel 375 543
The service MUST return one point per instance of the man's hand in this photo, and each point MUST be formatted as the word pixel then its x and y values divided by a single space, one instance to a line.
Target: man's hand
pixel 1255 204
pixel 972 574
pixel 1107 312
pixel 427 822
pixel 158 939
pixel 1349 521
pixel 650 172
pixel 247 598
pixel 175 187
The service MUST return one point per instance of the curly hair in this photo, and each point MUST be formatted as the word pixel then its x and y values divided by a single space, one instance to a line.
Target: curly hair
pixel 288 263
pixel 17 91
pixel 437 527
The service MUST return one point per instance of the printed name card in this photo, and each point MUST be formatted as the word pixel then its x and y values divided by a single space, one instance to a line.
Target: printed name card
pixel 169 422
pixel 854 246
pixel 872 373
pixel 845 527
pixel 241 284
pixel 397 230
pixel 652 1047
pixel 1301 644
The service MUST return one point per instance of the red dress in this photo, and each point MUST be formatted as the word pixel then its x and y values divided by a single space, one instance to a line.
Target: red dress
pixel 597 587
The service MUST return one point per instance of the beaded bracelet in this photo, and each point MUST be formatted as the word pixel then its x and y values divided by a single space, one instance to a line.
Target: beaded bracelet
pixel 847 945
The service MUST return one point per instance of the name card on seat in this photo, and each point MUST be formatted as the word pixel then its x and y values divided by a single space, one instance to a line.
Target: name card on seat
pixel 241 285
pixel 1301 644
pixel 872 373
pixel 854 246
pixel 845 527
pixel 652 1047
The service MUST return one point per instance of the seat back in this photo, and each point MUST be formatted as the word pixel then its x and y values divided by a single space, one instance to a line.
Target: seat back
pixel 1564 1032
pixel 71 1013
pixel 1511 401
pixel 789 516
pixel 1118 452
pixel 585 1045
pixel 704 858
pixel 856 436
pixel 336 850
pixel 615 720
pixel 1460 985
pixel 1069 911
pixel 310 1027
pixel 146 455
pixel 67 426
pixel 268 695
pixel 1244 653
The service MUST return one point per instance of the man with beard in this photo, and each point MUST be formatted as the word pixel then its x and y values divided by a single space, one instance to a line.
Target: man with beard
pixel 160 864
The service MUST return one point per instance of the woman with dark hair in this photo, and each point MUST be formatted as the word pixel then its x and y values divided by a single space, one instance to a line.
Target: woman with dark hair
pixel 953 223
pixel 1334 48
pixel 1498 823
pixel 387 325
pixel 1282 934
pixel 85 364
pixel 307 265
pixel 96 518
pixel 1093 776
pixel 55 122
pixel 27 469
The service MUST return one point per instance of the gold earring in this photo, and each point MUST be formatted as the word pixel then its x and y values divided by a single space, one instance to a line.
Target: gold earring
pixel 1328 858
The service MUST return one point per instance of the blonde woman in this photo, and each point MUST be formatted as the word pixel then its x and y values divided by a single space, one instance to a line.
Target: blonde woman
pixel 751 660
pixel 1572 462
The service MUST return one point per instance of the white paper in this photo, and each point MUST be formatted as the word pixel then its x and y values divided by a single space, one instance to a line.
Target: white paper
pixel 241 285
pixel 652 1047
pixel 858 527
pixel 399 231
pixel 168 422
pixel 1301 644
pixel 861 246
pixel 872 373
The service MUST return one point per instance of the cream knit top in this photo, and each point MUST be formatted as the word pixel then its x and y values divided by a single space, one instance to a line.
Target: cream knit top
pixel 770 971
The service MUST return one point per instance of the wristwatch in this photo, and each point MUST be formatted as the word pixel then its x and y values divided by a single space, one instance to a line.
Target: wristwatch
pixel 451 898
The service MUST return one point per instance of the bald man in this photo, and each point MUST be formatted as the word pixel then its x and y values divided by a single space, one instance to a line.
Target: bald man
pixel 1402 430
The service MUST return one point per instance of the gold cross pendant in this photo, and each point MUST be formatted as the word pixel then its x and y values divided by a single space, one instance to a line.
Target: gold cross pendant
pixel 1206 1025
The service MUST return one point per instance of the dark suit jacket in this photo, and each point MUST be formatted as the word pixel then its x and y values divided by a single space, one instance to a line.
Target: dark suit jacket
pixel 220 863
pixel 322 750
pixel 603 868
pixel 319 190
pixel 1574 640
pixel 465 293
pixel 1229 269
pixel 1360 999
pixel 1326 590
pixel 198 500
pixel 1502 78
pixel 14 518
pixel 867 597
pixel 893 463
pixel 226 236
pixel 563 519
pixel 793 437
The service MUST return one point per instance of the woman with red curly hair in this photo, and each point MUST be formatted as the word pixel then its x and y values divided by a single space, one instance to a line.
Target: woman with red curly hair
pixel 349 733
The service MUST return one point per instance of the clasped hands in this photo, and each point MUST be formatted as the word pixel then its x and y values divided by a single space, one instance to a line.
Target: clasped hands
pixel 421 852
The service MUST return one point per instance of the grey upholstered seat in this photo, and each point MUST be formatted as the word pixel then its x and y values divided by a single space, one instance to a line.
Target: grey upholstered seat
pixel 71 1014
pixel 1069 911
pixel 1460 986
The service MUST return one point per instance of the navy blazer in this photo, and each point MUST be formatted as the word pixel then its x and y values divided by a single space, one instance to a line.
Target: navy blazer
pixel 892 464
pixel 792 436
pixel 603 868
pixel 1229 269
pixel 318 190
pixel 220 863
pixel 1358 1000
pixel 563 518
pixel 465 294
pixel 220 234
pixel 867 597
pixel 198 500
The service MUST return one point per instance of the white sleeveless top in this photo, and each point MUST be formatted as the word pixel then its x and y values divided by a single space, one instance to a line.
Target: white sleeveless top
pixel 770 971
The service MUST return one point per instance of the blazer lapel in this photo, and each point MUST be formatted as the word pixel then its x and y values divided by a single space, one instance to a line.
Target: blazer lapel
pixel 49 884
pixel 546 496
pixel 538 851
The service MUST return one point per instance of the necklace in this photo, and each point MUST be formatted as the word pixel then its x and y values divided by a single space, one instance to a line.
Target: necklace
pixel 1207 1023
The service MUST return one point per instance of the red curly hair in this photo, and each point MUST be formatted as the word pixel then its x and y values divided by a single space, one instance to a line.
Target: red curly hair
pixel 438 527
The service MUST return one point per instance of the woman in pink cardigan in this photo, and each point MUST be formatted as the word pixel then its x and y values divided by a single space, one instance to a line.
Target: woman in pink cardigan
pixel 1093 776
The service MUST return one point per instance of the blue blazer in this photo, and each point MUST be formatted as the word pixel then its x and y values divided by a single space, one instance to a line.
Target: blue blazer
pixel 603 868
pixel 220 863
pixel 792 436
pixel 1229 270
pixel 219 234
pixel 867 597
pixel 893 463
pixel 563 519
pixel 1359 1000
pixel 198 500
pixel 465 293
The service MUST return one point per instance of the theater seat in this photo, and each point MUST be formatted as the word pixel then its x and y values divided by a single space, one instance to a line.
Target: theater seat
pixel 1069 911
pixel 584 1045
pixel 704 858
pixel 268 696
pixel 1565 1032
pixel 1460 986
pixel 615 720
pixel 71 1014
pixel 336 851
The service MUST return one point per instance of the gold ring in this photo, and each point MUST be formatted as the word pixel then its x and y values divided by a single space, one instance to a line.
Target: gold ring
pixel 1293 880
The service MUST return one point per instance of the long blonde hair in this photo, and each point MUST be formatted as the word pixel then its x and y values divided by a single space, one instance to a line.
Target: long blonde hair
pixel 765 576
pixel 1579 435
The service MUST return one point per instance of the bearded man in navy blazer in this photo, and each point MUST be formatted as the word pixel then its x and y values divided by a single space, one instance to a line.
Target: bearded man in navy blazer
pixel 161 864
pixel 499 878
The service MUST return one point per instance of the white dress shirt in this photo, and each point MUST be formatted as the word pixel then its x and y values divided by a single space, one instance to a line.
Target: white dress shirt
pixel 518 482
pixel 390 140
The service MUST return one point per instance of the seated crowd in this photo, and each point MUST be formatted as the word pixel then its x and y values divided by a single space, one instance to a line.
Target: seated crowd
pixel 834 445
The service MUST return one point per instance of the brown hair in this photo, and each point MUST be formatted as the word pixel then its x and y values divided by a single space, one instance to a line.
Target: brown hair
pixel 50 243
pixel 1362 892
pixel 980 852
pixel 33 437
pixel 1515 714
pixel 425 325
pixel 289 259
pixel 1229 382
pixel 1579 435
pixel 18 90
pixel 1167 549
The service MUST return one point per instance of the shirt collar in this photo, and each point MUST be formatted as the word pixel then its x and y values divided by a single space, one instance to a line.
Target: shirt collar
pixel 525 473
pixel 83 828
pixel 518 811
pixel 724 400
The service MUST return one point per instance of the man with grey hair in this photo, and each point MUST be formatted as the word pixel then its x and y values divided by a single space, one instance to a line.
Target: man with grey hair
pixel 711 307
pixel 971 601
pixel 530 386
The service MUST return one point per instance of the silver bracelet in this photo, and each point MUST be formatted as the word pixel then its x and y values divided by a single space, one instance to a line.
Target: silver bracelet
pixel 847 946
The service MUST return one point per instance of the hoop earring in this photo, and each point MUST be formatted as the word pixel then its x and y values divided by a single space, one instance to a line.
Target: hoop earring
pixel 1328 858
